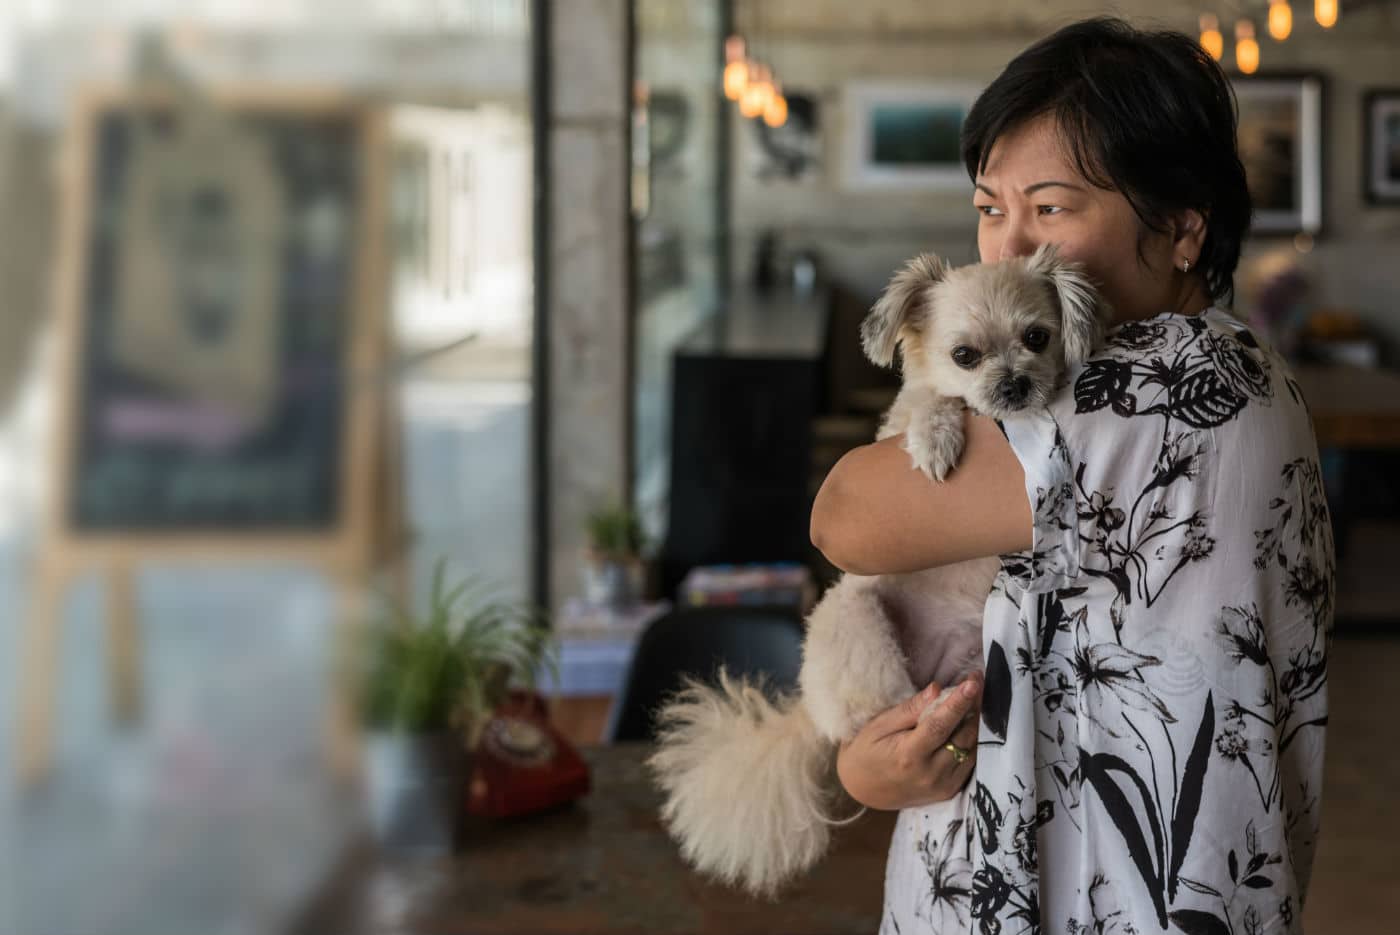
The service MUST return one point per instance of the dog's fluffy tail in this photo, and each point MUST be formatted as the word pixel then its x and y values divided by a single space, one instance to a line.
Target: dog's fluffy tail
pixel 747 783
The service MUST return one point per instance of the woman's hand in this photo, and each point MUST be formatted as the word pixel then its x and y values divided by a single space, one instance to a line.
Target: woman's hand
pixel 898 760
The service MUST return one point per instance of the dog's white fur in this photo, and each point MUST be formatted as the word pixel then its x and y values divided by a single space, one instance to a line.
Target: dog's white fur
pixel 749 782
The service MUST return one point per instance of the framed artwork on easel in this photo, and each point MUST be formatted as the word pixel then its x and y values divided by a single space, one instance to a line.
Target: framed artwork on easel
pixel 221 309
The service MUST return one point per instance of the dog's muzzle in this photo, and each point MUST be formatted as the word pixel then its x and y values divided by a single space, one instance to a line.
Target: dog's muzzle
pixel 1012 392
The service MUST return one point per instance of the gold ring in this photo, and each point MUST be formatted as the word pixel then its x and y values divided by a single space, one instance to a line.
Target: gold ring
pixel 959 754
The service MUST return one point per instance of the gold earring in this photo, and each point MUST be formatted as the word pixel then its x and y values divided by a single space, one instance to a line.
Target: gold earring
pixel 1186 264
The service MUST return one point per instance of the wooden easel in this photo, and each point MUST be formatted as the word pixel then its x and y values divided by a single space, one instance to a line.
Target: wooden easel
pixel 367 534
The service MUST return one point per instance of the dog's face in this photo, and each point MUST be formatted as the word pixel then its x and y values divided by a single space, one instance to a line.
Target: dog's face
pixel 999 335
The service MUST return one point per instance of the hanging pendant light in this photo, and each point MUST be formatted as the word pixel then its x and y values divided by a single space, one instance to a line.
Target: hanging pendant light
pixel 775 114
pixel 1325 12
pixel 1211 40
pixel 1246 48
pixel 751 83
pixel 767 84
pixel 1280 19
pixel 758 93
pixel 755 96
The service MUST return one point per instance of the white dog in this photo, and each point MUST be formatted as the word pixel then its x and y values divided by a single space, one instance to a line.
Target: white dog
pixel 749 781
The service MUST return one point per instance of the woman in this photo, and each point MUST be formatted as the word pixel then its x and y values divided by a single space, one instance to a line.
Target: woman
pixel 1149 747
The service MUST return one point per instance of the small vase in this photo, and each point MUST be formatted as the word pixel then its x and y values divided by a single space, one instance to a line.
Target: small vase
pixel 415 789
pixel 610 581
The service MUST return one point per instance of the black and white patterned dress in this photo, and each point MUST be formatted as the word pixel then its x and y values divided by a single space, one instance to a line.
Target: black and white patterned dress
pixel 1150 752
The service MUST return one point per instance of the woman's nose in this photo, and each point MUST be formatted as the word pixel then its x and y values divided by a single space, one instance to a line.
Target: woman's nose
pixel 1017 242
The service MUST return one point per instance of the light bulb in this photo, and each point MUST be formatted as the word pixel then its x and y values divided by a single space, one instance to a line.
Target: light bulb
pixel 735 49
pixel 1280 19
pixel 765 87
pixel 736 79
pixel 775 114
pixel 754 99
pixel 1211 40
pixel 1246 49
pixel 1326 13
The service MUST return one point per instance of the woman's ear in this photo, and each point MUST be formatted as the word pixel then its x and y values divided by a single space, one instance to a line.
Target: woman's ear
pixel 879 333
pixel 1189 235
pixel 1083 312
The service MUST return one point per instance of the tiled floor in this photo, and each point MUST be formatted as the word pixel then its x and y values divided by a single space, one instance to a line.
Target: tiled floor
pixel 215 814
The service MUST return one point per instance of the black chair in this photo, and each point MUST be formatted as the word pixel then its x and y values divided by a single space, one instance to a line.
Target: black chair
pixel 696 641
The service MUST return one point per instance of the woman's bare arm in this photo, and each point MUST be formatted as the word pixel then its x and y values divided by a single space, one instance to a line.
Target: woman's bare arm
pixel 875 514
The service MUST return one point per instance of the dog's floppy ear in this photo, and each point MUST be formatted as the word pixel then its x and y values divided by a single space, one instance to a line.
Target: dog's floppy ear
pixel 879 333
pixel 1083 313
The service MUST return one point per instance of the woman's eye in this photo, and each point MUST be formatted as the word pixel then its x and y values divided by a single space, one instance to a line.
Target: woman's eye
pixel 1050 209
pixel 1036 338
pixel 990 211
pixel 965 357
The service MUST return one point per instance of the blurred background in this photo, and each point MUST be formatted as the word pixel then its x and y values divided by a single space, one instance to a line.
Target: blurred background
pixel 304 300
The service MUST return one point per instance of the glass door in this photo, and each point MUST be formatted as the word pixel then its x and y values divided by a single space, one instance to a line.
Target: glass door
pixel 679 142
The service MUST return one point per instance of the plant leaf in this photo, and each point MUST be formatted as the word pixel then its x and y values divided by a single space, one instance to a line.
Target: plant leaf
pixel 454 660
pixel 1196 922
pixel 1096 769
pixel 1188 805
pixel 988 818
pixel 996 692
pixel 1200 887
pixel 1103 382
pixel 1202 401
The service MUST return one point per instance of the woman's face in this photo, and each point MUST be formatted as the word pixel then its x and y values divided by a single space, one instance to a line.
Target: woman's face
pixel 1031 194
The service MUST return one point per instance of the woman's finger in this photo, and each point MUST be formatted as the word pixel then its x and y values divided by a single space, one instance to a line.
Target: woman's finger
pixel 938 726
pixel 904 715
pixel 966 734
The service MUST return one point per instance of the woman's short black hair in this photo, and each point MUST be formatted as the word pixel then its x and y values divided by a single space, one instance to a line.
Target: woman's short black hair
pixel 1147 114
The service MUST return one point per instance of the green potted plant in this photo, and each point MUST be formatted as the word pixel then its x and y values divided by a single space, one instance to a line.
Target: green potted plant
pixel 613 573
pixel 429 685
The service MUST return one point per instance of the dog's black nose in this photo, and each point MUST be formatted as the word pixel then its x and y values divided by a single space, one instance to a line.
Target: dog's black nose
pixel 1014 389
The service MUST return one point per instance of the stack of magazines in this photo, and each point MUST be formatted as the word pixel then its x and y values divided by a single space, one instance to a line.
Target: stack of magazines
pixel 780 583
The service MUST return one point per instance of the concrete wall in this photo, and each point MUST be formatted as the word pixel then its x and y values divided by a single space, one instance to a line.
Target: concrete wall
pixel 588 247
pixel 822 45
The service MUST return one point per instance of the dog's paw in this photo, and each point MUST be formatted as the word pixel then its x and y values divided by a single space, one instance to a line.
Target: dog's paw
pixel 891 425
pixel 935 450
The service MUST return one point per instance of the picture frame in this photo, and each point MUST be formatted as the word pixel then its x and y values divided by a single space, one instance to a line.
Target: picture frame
pixel 903 136
pixel 1380 116
pixel 1281 128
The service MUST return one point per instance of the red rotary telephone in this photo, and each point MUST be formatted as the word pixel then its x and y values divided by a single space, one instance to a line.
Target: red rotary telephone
pixel 522 764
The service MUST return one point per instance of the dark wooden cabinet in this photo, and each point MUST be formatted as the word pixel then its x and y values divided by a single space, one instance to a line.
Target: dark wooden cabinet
pixel 745 390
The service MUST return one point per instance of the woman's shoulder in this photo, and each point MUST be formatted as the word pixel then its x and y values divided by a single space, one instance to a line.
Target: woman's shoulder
pixel 1194 371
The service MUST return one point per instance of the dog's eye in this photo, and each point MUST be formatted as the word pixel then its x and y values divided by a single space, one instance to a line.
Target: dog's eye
pixel 965 356
pixel 1036 339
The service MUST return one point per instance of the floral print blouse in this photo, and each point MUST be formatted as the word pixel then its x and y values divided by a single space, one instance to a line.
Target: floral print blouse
pixel 1151 743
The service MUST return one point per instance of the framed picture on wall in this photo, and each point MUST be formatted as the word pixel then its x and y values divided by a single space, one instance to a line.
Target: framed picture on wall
pixel 1381 168
pixel 1280 140
pixel 904 136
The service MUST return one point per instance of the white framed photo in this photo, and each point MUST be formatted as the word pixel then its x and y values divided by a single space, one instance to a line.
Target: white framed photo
pixel 903 136
pixel 1280 142
pixel 1381 114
